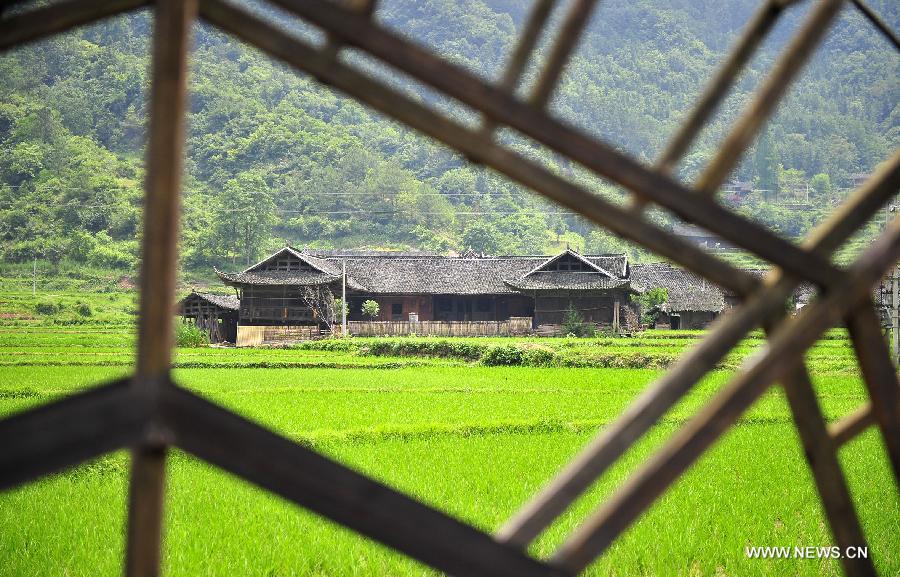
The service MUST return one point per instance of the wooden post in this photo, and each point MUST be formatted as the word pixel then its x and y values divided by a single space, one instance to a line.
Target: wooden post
pixel 616 314
pixel 161 218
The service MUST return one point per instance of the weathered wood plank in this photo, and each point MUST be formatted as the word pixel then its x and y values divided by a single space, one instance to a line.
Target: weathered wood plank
pixel 59 17
pixel 786 345
pixel 852 425
pixel 340 494
pixel 506 109
pixel 880 376
pixel 769 95
pixel 59 435
pixel 162 213
pixel 245 25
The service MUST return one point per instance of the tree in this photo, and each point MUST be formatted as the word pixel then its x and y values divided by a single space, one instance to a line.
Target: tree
pixel 321 302
pixel 480 236
pixel 245 215
pixel 766 167
pixel 648 300
pixel 370 309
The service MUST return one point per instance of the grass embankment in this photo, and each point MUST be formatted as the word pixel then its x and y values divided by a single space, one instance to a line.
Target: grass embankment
pixel 471 439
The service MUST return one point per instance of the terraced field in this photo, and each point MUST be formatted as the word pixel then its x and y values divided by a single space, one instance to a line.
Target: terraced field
pixel 472 426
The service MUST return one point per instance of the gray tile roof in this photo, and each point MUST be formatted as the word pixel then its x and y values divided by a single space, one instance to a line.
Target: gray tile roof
pixel 271 277
pixel 426 274
pixel 687 291
pixel 229 302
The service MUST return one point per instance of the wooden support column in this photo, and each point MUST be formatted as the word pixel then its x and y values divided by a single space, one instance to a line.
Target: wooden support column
pixel 161 218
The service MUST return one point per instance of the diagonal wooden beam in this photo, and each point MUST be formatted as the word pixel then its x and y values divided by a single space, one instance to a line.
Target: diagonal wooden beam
pixel 59 17
pixel 567 38
pixel 852 425
pixel 162 213
pixel 602 159
pixel 338 493
pixel 880 376
pixel 786 345
pixel 509 82
pixel 279 44
pixel 763 22
pixel 615 439
pixel 54 437
pixel 537 18
pixel 645 411
pixel 877 22
pixel 821 454
pixel 769 95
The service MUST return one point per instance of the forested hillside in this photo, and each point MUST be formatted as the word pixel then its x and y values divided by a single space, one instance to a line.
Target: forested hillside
pixel 274 157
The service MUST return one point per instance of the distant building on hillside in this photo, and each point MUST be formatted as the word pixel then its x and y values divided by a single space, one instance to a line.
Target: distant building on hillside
pixel 700 237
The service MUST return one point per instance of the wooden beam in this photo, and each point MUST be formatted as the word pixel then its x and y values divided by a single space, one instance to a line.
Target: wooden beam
pixel 162 213
pixel 852 425
pixel 763 21
pixel 612 442
pixel 786 345
pixel 537 18
pixel 248 27
pixel 769 95
pixel 821 454
pixel 877 22
pixel 59 435
pixel 340 494
pixel 576 21
pixel 880 376
pixel 645 411
pixel 59 17
pixel 506 109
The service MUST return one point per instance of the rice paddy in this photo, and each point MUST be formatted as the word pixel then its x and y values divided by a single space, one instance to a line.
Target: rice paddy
pixel 431 419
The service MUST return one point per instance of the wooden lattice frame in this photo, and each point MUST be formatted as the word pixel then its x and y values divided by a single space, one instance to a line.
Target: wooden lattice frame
pixel 149 412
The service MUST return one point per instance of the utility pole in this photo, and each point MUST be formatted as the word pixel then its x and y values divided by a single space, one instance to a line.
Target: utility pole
pixel 34 276
pixel 344 297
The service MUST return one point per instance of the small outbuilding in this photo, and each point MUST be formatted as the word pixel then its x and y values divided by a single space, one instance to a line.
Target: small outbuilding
pixel 216 314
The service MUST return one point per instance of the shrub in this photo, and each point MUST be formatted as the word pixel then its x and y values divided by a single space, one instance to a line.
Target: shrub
pixel 47 308
pixel 538 356
pixel 84 309
pixel 502 355
pixel 189 335
pixel 574 325
pixel 370 309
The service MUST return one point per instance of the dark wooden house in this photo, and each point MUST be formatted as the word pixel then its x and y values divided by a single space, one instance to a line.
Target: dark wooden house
pixel 693 302
pixel 429 288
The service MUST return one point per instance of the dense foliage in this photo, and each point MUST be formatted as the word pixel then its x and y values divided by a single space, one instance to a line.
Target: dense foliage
pixel 274 157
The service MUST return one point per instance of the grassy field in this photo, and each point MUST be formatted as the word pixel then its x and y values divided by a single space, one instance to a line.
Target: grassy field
pixel 432 418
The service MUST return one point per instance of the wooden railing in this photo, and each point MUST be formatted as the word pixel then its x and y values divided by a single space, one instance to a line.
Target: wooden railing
pixel 512 326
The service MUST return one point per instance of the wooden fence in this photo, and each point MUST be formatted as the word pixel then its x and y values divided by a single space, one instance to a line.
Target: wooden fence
pixel 513 326
pixel 249 336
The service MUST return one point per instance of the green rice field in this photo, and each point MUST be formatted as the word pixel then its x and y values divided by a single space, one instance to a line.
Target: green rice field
pixel 471 426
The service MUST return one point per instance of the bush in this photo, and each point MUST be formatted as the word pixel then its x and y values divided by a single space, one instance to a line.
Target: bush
pixel 575 325
pixel 189 335
pixel 502 355
pixel 84 309
pixel 538 356
pixel 47 308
